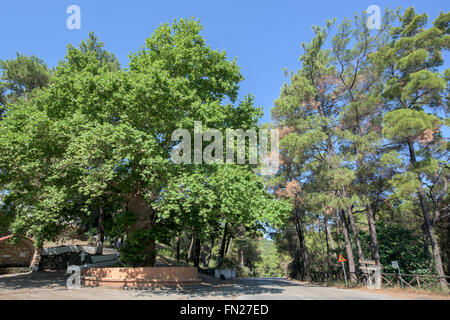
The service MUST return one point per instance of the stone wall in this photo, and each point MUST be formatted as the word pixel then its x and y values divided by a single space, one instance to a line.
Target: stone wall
pixel 224 274
pixel 16 255
pixel 14 270
pixel 61 261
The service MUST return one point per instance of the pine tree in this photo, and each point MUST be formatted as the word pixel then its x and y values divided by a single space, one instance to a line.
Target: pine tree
pixel 414 94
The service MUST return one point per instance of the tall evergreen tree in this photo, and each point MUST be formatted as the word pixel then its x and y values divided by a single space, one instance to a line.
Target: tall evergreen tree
pixel 414 94
pixel 19 77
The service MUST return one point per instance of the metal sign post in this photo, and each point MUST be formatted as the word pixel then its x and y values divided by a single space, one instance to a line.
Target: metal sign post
pixel 342 260
pixel 345 275
pixel 395 265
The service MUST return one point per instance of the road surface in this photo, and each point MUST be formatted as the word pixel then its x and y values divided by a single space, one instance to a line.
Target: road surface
pixel 53 286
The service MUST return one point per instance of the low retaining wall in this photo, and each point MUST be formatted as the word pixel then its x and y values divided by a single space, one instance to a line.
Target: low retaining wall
pixel 75 248
pixel 225 274
pixel 14 270
pixel 140 277
pixel 210 272
pixel 59 258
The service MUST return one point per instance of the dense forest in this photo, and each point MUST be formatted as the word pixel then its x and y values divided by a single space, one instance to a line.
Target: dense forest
pixel 363 132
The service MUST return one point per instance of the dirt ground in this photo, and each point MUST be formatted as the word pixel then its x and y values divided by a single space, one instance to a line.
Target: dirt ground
pixel 398 293
pixel 408 294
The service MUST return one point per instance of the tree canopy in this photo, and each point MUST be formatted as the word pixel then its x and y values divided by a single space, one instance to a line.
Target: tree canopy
pixel 101 134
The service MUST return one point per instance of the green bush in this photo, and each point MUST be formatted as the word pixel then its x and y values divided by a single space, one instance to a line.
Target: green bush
pixel 397 243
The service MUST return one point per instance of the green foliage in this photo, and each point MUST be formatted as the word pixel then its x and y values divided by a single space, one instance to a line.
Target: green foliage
pixel 116 227
pixel 361 127
pixel 102 135
pixel 22 75
pixel 93 46
pixel 134 249
pixel 407 123
pixel 272 263
pixel 401 244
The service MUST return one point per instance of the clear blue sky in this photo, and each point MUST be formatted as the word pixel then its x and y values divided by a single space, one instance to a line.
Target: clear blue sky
pixel 265 36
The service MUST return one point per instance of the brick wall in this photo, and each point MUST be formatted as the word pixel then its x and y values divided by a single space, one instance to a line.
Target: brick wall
pixel 16 255
pixel 140 277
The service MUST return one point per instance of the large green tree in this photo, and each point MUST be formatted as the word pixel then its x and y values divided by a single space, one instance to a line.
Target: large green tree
pixel 98 132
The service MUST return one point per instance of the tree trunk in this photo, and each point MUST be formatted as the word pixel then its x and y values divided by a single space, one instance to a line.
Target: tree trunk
pixel 35 261
pixel 189 252
pixel 448 245
pixel 208 259
pixel 144 220
pixel 241 257
pixel 338 231
pixel 428 224
pixel 197 252
pixel 326 239
pixel 222 246
pixel 373 235
pixel 434 243
pixel 329 237
pixel 178 249
pixel 100 233
pixel 228 249
pixel 302 245
pixel 426 244
pixel 355 232
pixel 348 248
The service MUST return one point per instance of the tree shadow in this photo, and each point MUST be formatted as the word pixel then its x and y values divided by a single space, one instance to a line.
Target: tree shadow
pixel 209 286
pixel 224 288
pixel 42 280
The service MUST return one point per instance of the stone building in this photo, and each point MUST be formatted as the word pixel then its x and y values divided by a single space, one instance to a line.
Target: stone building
pixel 15 255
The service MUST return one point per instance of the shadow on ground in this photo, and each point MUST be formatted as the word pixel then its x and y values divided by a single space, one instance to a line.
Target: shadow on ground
pixel 32 280
pixel 210 287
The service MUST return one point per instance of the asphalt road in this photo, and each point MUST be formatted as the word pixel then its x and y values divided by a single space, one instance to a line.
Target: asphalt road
pixel 53 286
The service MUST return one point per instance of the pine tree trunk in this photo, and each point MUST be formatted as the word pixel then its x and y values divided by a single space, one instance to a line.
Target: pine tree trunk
pixel 370 213
pixel 302 246
pixel 355 232
pixel 326 238
pixel 327 228
pixel 426 243
pixel 434 243
pixel 348 248
pixel 338 231
pixel 428 225
pixel 373 235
